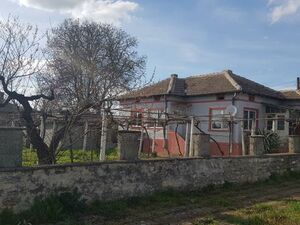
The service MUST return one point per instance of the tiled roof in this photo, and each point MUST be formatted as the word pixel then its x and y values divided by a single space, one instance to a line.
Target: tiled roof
pixel 251 87
pixel 291 94
pixel 208 84
pixel 220 82
pixel 159 88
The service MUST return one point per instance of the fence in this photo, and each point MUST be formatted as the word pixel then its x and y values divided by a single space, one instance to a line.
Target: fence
pixel 94 136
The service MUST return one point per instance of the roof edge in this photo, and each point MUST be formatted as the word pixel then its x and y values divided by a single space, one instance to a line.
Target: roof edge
pixel 227 74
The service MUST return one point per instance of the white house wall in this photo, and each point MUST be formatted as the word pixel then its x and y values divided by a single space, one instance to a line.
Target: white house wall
pixel 199 106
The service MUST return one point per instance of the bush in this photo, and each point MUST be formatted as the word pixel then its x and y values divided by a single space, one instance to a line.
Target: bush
pixel 271 140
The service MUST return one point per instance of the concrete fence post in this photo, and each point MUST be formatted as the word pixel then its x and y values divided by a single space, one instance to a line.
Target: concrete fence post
pixel 294 144
pixel 128 144
pixel 201 145
pixel 257 145
pixel 11 144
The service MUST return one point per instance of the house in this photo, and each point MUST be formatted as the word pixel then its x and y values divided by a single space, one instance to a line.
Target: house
pixel 206 97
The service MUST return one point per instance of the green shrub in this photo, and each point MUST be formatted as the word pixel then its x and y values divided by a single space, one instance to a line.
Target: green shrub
pixel 271 140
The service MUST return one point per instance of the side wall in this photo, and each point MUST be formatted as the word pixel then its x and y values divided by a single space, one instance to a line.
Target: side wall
pixel 115 180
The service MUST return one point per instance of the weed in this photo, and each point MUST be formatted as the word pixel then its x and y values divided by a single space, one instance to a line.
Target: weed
pixel 8 217
pixel 57 206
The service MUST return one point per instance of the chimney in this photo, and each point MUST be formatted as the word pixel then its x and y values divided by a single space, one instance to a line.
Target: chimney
pixel 172 83
pixel 298 83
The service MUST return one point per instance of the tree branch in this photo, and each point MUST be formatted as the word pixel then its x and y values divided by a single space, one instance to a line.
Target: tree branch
pixel 36 97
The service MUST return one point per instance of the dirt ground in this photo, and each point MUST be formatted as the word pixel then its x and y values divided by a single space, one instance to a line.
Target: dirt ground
pixel 216 207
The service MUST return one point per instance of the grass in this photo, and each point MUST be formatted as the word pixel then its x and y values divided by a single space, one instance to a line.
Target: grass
pixel 282 212
pixel 226 204
pixel 29 157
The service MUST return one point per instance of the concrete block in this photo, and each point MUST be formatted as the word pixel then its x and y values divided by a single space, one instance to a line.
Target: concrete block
pixel 11 145
pixel 201 145
pixel 294 144
pixel 257 145
pixel 128 144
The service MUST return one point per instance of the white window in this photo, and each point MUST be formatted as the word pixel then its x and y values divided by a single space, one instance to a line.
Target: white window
pixel 280 122
pixel 153 116
pixel 249 118
pixel 270 121
pixel 218 120
pixel 136 118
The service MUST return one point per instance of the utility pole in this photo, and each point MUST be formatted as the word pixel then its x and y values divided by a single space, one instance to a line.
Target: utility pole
pixel 103 136
pixel 191 152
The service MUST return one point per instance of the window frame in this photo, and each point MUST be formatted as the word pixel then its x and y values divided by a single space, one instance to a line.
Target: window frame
pixel 222 129
pixel 282 120
pixel 132 115
pixel 256 111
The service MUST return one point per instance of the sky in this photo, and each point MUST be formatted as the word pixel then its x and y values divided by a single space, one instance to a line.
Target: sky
pixel 257 39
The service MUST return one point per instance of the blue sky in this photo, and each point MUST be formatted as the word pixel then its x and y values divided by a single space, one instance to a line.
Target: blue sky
pixel 258 39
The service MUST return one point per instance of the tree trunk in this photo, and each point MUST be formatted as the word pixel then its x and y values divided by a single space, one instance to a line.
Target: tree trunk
pixel 37 142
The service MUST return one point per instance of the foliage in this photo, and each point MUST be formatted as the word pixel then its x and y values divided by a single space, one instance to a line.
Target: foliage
pixel 84 66
pixel 271 140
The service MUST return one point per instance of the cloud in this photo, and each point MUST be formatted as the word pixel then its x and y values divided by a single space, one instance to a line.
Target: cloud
pixel 283 8
pixel 108 11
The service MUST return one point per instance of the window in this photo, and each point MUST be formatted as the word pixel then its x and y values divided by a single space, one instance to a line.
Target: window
pixel 280 122
pixel 270 121
pixel 218 120
pixel 137 118
pixel 249 117
pixel 220 97
pixel 153 117
pixel 156 98
pixel 251 98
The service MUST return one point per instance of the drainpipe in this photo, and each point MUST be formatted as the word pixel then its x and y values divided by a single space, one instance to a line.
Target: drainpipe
pixel 166 128
pixel 232 125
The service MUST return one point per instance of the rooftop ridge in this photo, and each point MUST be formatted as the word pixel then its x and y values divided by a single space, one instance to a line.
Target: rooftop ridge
pixel 235 84
pixel 255 82
pixel 286 90
pixel 205 75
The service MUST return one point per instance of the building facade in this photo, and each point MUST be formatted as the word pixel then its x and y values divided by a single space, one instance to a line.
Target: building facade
pixel 206 99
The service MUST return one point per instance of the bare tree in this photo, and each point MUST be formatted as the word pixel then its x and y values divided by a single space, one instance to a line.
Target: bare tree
pixel 20 62
pixel 88 64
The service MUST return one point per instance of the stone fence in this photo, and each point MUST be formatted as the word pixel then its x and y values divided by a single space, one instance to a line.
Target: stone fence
pixel 120 179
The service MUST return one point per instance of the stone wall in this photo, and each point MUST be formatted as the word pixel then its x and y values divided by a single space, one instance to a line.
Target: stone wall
pixel 113 180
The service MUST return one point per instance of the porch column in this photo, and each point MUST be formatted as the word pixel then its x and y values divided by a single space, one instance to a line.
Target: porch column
pixel 85 135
